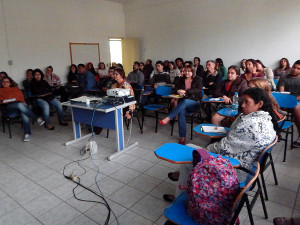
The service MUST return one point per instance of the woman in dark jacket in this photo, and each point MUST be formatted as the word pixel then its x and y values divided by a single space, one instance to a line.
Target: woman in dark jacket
pixel 228 88
pixel 45 98
pixel 189 88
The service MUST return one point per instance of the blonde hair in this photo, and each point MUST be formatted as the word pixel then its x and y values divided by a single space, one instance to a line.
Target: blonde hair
pixel 264 84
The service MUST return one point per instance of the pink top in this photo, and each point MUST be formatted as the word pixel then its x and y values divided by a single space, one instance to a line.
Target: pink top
pixel 188 84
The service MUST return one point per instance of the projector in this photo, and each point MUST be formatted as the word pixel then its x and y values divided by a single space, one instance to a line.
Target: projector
pixel 118 92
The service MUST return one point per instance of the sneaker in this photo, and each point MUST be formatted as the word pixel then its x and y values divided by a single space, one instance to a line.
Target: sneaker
pixel 296 144
pixel 26 138
pixel 40 121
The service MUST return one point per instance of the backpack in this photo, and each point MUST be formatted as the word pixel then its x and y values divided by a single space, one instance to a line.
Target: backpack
pixel 212 188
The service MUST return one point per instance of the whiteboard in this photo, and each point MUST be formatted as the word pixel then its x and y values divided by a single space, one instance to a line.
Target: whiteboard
pixel 84 53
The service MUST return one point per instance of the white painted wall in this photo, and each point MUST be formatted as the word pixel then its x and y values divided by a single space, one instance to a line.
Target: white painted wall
pixel 229 29
pixel 39 32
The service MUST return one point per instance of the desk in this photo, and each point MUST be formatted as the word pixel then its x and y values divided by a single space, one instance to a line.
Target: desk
pixel 199 131
pixel 106 116
pixel 182 154
pixel 227 112
pixel 213 100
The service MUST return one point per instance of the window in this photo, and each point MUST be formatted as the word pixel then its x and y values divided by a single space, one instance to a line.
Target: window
pixel 115 45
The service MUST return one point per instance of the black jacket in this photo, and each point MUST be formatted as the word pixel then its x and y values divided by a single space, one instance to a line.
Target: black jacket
pixel 195 92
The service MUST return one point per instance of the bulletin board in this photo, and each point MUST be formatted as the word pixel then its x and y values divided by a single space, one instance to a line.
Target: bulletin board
pixel 84 53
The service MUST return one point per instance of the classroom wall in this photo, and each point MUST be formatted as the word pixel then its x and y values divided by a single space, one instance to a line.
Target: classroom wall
pixel 39 32
pixel 231 29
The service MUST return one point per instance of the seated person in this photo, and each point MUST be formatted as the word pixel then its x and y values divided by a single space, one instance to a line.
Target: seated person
pixel 283 69
pixel 136 76
pixel 55 83
pixel 251 71
pixel 74 86
pixel 253 130
pixel 227 90
pixel 86 79
pixel 4 74
pixel 90 67
pixel 159 77
pixel 9 91
pixel 211 78
pixel 27 81
pixel 189 87
pixel 221 68
pixel 109 81
pixel 102 71
pixel 45 98
pixel 119 76
pixel 291 83
pixel 148 69
pixel 174 72
pixel 199 70
pixel 268 72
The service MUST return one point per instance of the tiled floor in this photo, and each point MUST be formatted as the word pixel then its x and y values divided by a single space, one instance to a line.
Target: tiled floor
pixel 33 190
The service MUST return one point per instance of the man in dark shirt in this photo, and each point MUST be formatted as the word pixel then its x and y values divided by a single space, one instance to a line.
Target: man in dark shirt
pixel 136 76
pixel 211 78
pixel 291 83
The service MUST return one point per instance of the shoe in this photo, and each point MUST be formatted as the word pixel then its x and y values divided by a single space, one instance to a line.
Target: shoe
pixel 50 127
pixel 182 142
pixel 40 121
pixel 169 198
pixel 63 123
pixel 296 144
pixel 162 123
pixel 169 222
pixel 170 175
pixel 26 138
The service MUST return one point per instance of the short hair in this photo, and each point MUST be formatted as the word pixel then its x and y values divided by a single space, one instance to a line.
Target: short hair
pixel 297 62
pixel 235 68
pixel 81 65
pixel 212 61
pixel 179 59
pixel 197 58
pixel 159 62
pixel 112 68
pixel 220 61
pixel 38 71
pixel 141 63
pixel 50 67
pixel 5 74
pixel 120 65
pixel 121 72
pixel 29 70
pixel 136 62
pixel 188 62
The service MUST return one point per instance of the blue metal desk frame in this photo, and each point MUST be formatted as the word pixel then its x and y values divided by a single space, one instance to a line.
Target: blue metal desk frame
pixel 106 116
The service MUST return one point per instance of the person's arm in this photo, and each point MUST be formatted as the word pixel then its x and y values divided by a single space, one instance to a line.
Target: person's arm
pixel 196 87
pixel 141 78
pixel 280 85
pixel 152 74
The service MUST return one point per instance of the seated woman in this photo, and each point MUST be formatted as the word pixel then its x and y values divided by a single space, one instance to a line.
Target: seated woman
pixel 74 86
pixel 174 72
pixel 221 68
pixel 227 90
pixel 251 71
pixel 283 69
pixel 102 71
pixel 252 131
pixel 269 75
pixel 264 84
pixel 9 91
pixel 243 66
pixel 189 88
pixel 119 76
pixel 45 98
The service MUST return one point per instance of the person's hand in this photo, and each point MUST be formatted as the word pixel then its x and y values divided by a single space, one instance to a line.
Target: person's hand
pixel 128 115
pixel 210 83
pixel 181 92
pixel 155 86
pixel 227 100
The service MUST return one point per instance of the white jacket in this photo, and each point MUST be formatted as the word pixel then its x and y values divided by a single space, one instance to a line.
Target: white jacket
pixel 247 138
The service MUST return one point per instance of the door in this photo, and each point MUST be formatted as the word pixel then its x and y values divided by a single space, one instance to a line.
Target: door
pixel 130 53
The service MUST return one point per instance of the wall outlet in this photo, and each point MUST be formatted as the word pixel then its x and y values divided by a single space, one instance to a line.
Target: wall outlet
pixel 10 62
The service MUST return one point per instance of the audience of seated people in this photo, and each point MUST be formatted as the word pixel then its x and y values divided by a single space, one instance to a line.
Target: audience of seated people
pixel 136 76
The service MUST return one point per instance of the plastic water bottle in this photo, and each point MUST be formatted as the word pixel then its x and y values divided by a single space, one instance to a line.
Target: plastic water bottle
pixel 235 101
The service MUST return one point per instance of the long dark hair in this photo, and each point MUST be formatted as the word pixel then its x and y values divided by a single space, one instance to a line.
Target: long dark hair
pixel 258 94
pixel 38 71
pixel 76 70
